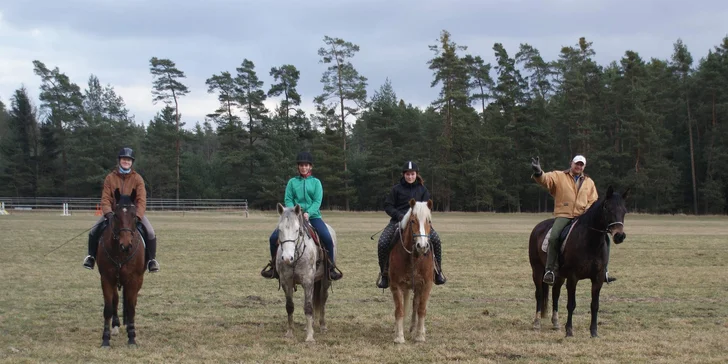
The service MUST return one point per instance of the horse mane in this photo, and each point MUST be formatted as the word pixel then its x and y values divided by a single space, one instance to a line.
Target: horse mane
pixel 420 210
pixel 589 217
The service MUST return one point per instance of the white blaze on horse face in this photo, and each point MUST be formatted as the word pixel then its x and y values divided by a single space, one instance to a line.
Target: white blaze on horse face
pixel 288 236
pixel 422 241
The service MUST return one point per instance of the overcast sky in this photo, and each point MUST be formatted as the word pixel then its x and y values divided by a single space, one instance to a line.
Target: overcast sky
pixel 114 39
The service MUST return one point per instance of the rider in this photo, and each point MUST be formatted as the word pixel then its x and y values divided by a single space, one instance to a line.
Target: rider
pixel 411 185
pixel 573 192
pixel 125 179
pixel 304 190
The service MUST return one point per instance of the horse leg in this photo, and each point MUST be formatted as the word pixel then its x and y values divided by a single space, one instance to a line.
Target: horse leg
pixel 289 308
pixel 422 311
pixel 415 304
pixel 115 317
pixel 556 295
pixel 308 310
pixel 540 299
pixel 108 290
pixel 399 302
pixel 596 288
pixel 130 299
pixel 570 305
pixel 320 295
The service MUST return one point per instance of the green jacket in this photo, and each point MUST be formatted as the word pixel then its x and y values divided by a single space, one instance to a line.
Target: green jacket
pixel 307 192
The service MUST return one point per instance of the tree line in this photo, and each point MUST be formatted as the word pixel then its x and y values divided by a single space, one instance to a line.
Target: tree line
pixel 657 126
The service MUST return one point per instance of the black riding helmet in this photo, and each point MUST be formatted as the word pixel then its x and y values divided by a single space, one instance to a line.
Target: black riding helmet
pixel 126 152
pixel 410 166
pixel 304 157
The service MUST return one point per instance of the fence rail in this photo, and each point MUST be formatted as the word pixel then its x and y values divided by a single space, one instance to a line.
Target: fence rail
pixel 153 204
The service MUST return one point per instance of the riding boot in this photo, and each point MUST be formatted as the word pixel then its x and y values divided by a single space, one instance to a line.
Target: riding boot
pixel 551 257
pixel 93 245
pixel 437 247
pixel 152 264
pixel 383 254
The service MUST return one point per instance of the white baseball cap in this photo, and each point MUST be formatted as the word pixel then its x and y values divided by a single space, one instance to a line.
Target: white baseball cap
pixel 579 158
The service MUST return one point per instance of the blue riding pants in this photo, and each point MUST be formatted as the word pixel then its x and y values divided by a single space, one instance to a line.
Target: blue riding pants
pixel 323 233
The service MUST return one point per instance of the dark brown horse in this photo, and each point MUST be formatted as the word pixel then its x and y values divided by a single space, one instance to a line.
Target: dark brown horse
pixel 121 265
pixel 584 256
pixel 411 267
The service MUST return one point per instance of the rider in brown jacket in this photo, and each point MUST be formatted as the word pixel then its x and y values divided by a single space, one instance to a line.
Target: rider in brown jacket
pixel 125 179
pixel 573 192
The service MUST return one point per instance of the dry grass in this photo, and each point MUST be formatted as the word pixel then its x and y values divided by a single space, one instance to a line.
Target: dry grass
pixel 209 304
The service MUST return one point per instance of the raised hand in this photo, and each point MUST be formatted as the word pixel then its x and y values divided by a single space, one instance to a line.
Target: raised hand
pixel 536 166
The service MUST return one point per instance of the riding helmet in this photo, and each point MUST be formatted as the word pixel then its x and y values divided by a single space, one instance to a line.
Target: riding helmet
pixel 410 166
pixel 126 152
pixel 304 157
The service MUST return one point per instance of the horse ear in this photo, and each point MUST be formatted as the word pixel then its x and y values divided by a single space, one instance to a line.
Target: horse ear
pixel 429 204
pixel 412 203
pixel 610 191
pixel 297 209
pixel 625 194
pixel 280 209
pixel 133 195
pixel 117 195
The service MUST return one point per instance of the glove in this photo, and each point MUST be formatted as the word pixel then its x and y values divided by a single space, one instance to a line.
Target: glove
pixel 400 217
pixel 536 166
pixel 109 215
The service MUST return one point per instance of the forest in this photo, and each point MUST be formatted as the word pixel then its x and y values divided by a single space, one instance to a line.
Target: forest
pixel 657 126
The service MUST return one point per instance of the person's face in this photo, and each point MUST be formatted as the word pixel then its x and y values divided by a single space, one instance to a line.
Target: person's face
pixel 410 176
pixel 577 168
pixel 125 163
pixel 304 168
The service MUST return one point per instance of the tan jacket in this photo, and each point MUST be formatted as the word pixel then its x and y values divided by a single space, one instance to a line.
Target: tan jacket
pixel 125 183
pixel 568 202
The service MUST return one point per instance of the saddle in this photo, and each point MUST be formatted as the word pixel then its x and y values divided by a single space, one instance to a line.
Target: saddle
pixel 562 238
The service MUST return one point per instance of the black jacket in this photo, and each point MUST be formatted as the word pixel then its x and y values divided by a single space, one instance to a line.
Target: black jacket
pixel 397 202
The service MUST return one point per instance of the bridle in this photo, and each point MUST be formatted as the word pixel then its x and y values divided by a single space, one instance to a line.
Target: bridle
pixel 414 236
pixel 297 241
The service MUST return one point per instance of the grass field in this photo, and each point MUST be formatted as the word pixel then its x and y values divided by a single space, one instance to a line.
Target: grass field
pixel 209 303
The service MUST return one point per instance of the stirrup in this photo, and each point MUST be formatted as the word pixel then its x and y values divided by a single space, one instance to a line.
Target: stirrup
pixel 334 275
pixel 609 279
pixel 153 266
pixel 549 277
pixel 269 273
pixel 383 281
pixel 89 262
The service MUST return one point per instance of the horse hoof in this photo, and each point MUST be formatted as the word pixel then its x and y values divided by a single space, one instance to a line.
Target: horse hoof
pixel 289 334
pixel 105 345
pixel 115 331
pixel 310 340
pixel 420 339
pixel 399 340
pixel 324 329
pixel 537 326
pixel 132 344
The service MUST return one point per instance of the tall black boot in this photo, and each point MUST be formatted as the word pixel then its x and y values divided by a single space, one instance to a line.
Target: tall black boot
pixel 152 265
pixel 383 254
pixel 93 246
pixel 439 276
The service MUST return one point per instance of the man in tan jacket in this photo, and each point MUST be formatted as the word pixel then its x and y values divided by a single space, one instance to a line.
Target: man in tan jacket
pixel 573 192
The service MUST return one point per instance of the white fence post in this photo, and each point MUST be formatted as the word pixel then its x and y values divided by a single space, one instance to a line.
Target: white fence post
pixel 2 209
pixel 65 210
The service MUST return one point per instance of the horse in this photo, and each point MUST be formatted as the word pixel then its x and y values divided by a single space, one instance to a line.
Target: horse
pixel 584 256
pixel 300 261
pixel 121 265
pixel 411 267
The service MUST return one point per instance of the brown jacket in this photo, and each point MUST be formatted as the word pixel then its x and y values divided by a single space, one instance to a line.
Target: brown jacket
pixel 125 183
pixel 568 202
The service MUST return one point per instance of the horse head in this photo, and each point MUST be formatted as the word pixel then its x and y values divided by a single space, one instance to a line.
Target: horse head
pixel 420 221
pixel 614 209
pixel 124 221
pixel 290 231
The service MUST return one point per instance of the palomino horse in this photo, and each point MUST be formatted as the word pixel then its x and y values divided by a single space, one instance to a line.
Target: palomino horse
pixel 121 265
pixel 300 261
pixel 584 256
pixel 411 266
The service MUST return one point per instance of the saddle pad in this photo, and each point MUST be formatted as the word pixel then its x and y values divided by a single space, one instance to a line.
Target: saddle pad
pixel 545 243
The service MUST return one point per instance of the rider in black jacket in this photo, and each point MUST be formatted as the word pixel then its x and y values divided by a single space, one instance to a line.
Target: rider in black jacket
pixel 411 185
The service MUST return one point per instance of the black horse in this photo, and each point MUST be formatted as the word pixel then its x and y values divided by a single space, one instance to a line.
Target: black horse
pixel 584 256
